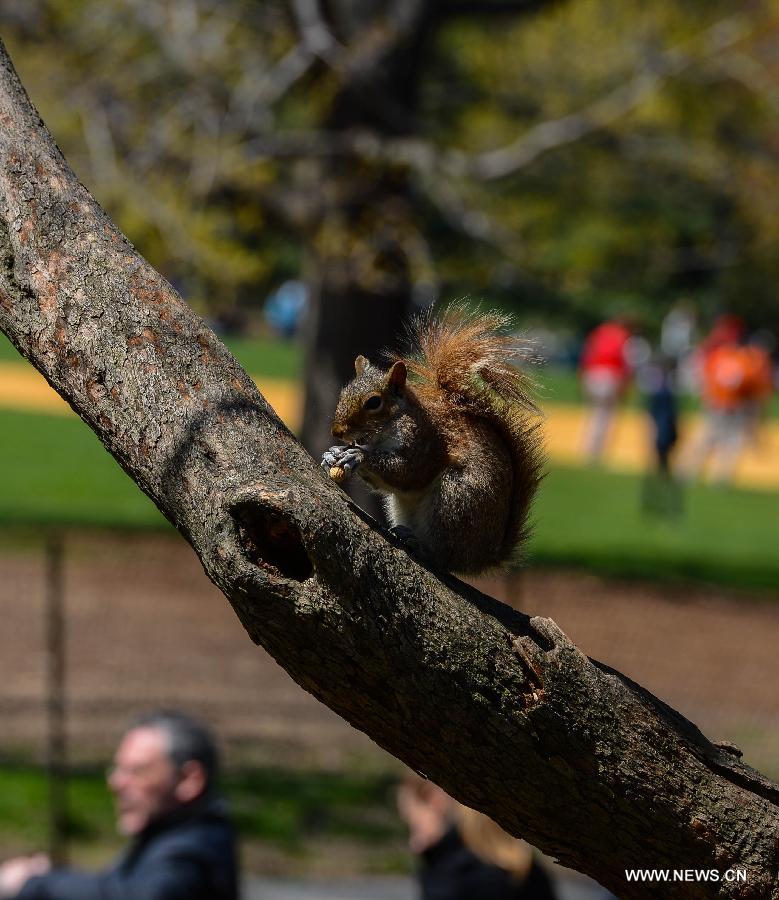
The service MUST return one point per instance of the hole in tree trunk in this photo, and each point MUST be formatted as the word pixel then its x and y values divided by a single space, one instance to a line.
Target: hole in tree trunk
pixel 272 540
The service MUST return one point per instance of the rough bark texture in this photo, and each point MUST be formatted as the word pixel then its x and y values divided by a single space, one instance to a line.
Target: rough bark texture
pixel 498 708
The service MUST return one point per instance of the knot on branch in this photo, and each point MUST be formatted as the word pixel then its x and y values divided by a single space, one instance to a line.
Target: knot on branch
pixel 534 692
pixel 270 538
pixel 729 747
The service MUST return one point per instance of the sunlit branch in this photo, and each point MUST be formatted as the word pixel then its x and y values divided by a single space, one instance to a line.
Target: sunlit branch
pixel 606 110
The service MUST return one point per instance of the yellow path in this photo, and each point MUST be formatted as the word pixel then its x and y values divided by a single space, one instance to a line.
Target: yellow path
pixel 22 388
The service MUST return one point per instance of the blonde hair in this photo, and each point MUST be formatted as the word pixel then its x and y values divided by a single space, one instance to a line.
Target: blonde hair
pixel 483 837
pixel 492 844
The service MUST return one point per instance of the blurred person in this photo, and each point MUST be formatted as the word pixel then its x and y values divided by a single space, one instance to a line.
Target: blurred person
pixel 605 372
pixel 661 493
pixel 727 329
pixel 732 388
pixel 678 331
pixel 656 381
pixel 285 307
pixel 677 343
pixel 181 845
pixel 464 854
pixel 760 379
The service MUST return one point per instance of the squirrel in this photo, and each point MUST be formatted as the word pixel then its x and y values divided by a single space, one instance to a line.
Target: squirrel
pixel 448 434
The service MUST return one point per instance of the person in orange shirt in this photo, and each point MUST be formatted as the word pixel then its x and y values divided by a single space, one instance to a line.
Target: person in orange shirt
pixel 737 380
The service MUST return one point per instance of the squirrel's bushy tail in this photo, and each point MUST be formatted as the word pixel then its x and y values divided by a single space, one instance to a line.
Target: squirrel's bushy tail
pixel 470 356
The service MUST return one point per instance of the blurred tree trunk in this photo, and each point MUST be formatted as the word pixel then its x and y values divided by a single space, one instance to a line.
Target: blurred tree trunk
pixel 342 324
pixel 361 282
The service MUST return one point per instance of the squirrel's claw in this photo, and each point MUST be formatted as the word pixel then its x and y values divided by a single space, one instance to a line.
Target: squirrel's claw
pixel 329 457
pixel 346 458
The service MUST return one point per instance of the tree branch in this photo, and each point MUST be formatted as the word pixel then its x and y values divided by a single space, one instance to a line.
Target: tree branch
pixel 609 108
pixel 498 708
pixel 484 8
pixel 494 164
pixel 314 32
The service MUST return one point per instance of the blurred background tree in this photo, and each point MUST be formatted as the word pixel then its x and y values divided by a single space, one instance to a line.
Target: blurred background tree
pixel 562 159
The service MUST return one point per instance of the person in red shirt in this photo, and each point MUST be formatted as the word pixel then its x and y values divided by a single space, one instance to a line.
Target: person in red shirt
pixel 605 374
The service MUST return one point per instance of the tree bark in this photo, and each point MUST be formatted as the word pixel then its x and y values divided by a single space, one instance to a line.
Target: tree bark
pixel 498 708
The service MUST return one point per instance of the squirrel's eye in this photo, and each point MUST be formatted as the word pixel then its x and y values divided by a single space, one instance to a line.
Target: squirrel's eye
pixel 372 403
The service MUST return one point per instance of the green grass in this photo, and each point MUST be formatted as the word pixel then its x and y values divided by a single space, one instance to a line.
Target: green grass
pixel 8 352
pixel 289 807
pixel 597 520
pixel 555 385
pixel 268 357
pixel 259 356
pixel 53 470
pixel 284 808
pixel 272 358
pixel 23 812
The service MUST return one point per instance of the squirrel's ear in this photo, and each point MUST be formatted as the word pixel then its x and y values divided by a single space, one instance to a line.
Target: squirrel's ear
pixel 396 377
pixel 360 365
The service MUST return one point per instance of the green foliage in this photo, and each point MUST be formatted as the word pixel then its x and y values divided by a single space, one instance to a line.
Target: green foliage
pixel 170 116
pixel 673 198
pixel 150 105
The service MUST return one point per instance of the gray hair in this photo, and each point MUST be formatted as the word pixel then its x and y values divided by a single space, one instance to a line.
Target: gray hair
pixel 188 739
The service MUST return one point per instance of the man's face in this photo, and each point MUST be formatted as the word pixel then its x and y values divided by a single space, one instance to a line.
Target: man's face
pixel 143 779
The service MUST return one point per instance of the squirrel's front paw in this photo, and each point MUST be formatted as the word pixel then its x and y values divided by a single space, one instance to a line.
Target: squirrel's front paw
pixel 340 462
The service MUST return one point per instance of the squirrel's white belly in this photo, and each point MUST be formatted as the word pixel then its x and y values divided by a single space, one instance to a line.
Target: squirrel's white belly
pixel 414 510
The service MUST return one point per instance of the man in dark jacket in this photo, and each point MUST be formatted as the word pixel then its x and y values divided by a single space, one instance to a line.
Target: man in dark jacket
pixel 181 843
